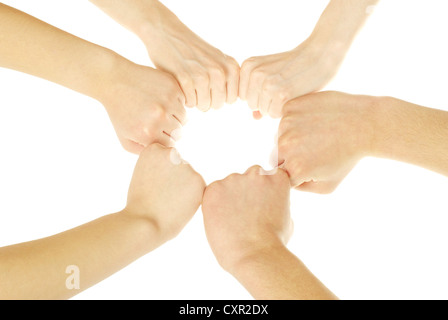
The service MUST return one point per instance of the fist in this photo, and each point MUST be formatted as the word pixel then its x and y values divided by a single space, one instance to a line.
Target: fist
pixel 246 213
pixel 145 106
pixel 165 190
pixel 267 83
pixel 322 136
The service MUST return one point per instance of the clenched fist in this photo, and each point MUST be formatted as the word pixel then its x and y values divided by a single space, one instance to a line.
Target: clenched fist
pixel 322 136
pixel 246 213
pixel 165 190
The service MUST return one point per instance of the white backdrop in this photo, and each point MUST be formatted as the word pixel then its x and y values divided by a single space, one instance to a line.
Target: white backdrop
pixel 381 235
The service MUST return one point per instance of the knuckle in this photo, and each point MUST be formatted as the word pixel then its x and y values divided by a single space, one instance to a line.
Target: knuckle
pixel 158 112
pixel 184 79
pixel 254 170
pixel 155 147
pixel 286 123
pixel 233 68
pixel 288 108
pixel 217 73
pixel 294 167
pixel 200 75
pixel 248 63
pixel 272 84
pixel 283 95
pixel 258 74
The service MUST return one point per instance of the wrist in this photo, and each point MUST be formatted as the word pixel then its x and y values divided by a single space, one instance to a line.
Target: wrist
pixel 160 231
pixel 340 23
pixel 385 126
pixel 154 19
pixel 371 123
pixel 104 70
pixel 251 254
pixel 146 230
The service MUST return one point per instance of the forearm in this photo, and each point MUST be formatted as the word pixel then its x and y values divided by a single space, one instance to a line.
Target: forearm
pixel 135 15
pixel 410 133
pixel 37 48
pixel 37 269
pixel 340 23
pixel 276 274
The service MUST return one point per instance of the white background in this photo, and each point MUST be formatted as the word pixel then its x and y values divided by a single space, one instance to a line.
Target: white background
pixel 381 235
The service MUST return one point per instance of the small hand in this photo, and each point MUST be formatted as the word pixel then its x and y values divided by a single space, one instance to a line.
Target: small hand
pixel 165 190
pixel 145 106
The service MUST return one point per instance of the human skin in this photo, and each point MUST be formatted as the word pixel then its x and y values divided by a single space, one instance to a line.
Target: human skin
pixel 163 196
pixel 145 105
pixel 208 77
pixel 248 224
pixel 267 83
pixel 322 136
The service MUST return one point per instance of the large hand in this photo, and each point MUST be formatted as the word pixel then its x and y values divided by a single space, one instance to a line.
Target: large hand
pixel 322 136
pixel 145 106
pixel 267 83
pixel 207 77
pixel 247 213
pixel 164 190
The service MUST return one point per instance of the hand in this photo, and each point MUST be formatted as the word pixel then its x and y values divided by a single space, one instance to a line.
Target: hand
pixel 145 106
pixel 322 136
pixel 247 213
pixel 267 83
pixel 208 77
pixel 165 190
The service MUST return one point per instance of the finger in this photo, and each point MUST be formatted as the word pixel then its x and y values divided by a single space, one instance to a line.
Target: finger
pixel 164 138
pixel 245 73
pixel 203 94
pixel 254 170
pixel 177 111
pixel 295 172
pixel 173 128
pixel 218 97
pixel 132 146
pixel 176 158
pixel 187 86
pixel 264 103
pixel 276 108
pixel 254 90
pixel 318 187
pixel 232 85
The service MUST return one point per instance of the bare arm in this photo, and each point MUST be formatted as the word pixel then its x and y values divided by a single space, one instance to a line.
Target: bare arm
pixel 275 273
pixel 322 136
pixel 248 224
pixel 155 213
pixel 267 83
pixel 411 133
pixel 208 77
pixel 145 105
pixel 32 46
pixel 37 269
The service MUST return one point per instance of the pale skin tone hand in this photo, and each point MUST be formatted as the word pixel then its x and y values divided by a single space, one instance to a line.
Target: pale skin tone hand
pixel 322 137
pixel 147 106
pixel 267 83
pixel 163 197
pixel 248 224
pixel 144 104
pixel 208 77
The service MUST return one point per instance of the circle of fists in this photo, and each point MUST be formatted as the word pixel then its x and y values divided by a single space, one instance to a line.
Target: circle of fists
pixel 318 138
